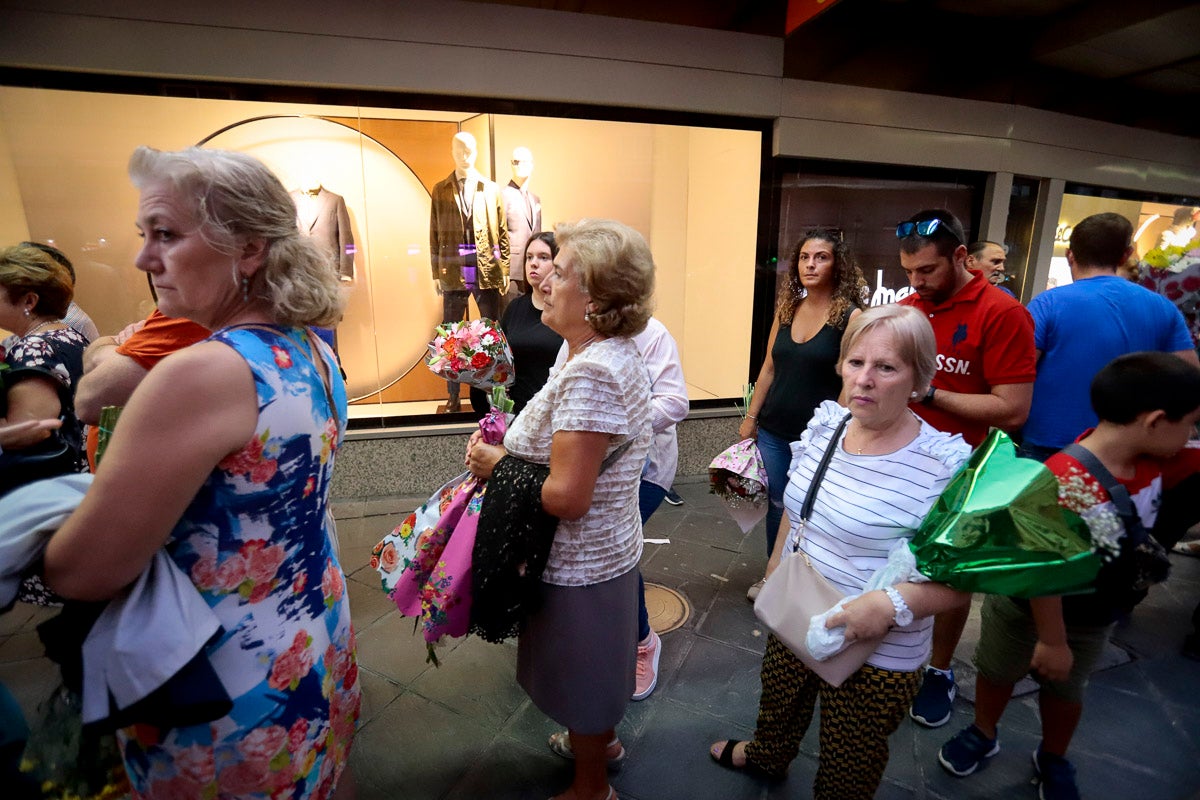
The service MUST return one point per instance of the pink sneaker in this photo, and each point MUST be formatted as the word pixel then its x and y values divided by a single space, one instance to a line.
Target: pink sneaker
pixel 647 666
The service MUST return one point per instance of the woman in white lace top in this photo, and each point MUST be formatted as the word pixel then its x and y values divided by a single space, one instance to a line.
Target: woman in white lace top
pixel 590 424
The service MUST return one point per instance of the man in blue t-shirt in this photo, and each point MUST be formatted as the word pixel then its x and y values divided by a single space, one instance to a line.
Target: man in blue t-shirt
pixel 1080 327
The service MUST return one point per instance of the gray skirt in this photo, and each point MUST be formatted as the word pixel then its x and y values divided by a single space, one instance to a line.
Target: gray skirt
pixel 577 655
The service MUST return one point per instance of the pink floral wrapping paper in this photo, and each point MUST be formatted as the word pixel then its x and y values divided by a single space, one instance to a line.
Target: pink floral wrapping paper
pixel 739 477
pixel 425 563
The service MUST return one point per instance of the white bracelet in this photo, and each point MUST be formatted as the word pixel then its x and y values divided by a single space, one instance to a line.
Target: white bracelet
pixel 903 615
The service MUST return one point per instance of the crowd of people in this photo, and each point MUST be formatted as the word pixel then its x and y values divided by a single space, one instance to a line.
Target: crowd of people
pixel 862 417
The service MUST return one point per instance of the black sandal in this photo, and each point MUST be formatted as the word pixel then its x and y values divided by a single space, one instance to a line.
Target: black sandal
pixel 726 757
pixel 726 760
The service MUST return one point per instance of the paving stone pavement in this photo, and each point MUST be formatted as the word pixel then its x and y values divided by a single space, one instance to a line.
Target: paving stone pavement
pixel 466 730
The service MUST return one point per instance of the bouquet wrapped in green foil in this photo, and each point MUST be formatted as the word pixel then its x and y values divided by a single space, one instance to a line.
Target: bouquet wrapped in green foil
pixel 998 528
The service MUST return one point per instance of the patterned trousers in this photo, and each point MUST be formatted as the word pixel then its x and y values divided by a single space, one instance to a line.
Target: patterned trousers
pixel 856 720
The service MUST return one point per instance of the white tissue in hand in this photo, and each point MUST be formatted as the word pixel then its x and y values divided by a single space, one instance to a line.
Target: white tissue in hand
pixel 901 567
pixel 825 642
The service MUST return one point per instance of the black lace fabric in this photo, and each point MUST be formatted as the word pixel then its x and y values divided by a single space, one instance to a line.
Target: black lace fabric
pixel 511 547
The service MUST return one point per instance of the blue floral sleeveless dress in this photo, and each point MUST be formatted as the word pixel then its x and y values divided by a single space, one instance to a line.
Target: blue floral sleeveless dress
pixel 257 541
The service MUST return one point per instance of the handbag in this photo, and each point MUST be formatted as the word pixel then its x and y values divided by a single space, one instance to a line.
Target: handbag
pixel 796 592
pixel 48 458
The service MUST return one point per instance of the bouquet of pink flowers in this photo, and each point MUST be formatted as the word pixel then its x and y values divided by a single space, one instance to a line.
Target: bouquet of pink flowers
pixel 424 564
pixel 475 352
pixel 739 478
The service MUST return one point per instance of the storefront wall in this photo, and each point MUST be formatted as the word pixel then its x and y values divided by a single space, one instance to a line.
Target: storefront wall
pixel 447 49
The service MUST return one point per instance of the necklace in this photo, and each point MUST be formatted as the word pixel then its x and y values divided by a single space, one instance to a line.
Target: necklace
pixel 38 327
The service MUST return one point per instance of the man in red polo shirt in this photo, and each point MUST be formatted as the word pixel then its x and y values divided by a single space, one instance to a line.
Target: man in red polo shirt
pixel 986 364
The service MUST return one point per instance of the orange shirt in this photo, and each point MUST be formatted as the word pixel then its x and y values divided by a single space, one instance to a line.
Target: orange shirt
pixel 157 339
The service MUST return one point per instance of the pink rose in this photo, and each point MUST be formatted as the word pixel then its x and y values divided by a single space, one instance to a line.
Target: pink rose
pixel 263 743
pixel 337 663
pixel 300 582
pixel 231 573
pixel 262 560
pixel 343 712
pixel 196 763
pixel 287 667
pixel 331 582
pixel 389 557
pixel 204 573
pixel 263 471
pixel 292 664
pixel 297 735
pixel 244 459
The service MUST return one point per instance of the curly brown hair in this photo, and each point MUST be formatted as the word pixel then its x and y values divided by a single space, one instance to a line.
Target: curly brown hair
pixel 849 286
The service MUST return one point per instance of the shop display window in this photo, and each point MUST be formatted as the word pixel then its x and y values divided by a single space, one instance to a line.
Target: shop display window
pixel 1150 215
pixel 692 191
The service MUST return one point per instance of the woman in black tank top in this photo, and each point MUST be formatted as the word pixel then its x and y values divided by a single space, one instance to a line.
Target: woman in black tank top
pixel 824 289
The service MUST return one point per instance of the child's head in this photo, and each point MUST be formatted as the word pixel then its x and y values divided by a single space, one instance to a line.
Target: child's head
pixel 1155 395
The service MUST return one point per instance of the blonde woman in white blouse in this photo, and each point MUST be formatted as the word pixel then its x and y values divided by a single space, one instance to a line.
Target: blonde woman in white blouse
pixel 591 423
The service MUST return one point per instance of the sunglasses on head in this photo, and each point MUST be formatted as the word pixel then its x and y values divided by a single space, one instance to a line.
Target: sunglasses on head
pixel 925 227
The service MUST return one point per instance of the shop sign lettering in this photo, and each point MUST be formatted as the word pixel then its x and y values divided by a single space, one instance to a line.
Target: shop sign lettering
pixel 884 295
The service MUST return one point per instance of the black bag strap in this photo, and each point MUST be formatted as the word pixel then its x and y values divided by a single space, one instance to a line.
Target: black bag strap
pixel 807 507
pixel 1116 490
pixel 615 454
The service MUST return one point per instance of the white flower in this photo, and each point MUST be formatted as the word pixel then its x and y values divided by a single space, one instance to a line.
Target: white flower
pixel 1106 528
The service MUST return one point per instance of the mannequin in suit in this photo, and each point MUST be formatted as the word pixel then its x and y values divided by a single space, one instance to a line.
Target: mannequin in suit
pixel 322 215
pixel 468 242
pixel 523 217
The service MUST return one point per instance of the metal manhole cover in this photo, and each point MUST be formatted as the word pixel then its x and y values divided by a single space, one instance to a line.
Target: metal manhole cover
pixel 668 609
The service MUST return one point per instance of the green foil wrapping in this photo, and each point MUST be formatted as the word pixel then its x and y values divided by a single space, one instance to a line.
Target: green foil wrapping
pixel 108 422
pixel 998 528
